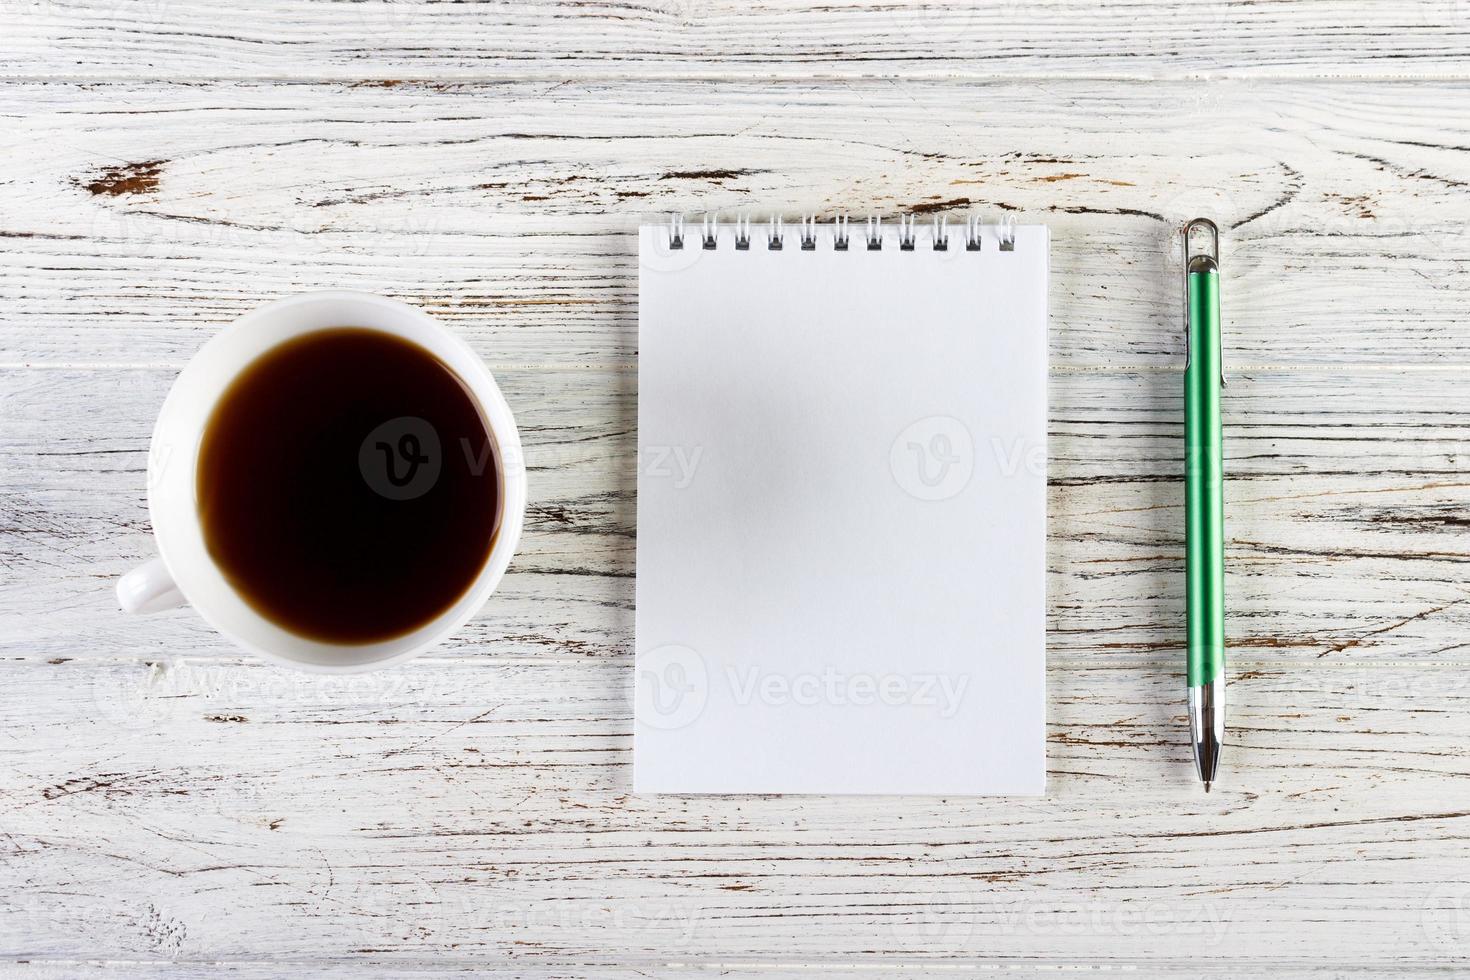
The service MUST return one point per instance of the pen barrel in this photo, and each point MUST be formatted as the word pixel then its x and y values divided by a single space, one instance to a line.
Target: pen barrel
pixel 1204 498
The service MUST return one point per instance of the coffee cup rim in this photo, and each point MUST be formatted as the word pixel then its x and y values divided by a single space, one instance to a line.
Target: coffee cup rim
pixel 174 453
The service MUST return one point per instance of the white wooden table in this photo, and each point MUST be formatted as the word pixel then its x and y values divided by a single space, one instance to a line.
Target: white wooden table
pixel 167 166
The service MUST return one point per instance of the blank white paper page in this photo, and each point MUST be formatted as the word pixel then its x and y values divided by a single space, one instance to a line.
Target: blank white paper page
pixel 841 577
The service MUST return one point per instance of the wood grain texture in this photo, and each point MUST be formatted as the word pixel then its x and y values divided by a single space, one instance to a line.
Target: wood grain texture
pixel 405 968
pixel 483 811
pixel 140 217
pixel 169 808
pixel 769 38
pixel 1345 542
pixel 418 968
pixel 412 968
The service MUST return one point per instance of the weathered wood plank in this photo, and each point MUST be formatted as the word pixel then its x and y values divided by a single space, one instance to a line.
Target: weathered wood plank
pixel 183 816
pixel 1347 496
pixel 139 216
pixel 419 968
pixel 781 38
pixel 406 968
pixel 483 812
pixel 75 516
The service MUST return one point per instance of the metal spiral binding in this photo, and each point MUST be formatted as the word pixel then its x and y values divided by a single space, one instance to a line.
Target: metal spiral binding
pixel 906 232
pixel 972 234
pixel 875 234
pixel 742 233
pixel 841 236
pixel 1007 234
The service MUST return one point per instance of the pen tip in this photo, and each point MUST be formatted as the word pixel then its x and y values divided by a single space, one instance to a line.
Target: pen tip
pixel 1207 785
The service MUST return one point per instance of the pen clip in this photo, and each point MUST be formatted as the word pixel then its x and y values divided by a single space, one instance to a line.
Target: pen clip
pixel 1201 260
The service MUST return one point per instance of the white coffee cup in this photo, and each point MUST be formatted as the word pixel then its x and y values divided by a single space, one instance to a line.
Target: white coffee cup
pixel 185 573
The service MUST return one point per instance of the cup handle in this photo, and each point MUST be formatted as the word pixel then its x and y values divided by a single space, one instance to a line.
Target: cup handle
pixel 149 588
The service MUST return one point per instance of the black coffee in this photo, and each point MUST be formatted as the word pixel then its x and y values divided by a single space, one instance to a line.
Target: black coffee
pixel 349 486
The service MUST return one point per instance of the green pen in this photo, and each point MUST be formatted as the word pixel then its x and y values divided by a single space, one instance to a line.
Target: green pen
pixel 1204 500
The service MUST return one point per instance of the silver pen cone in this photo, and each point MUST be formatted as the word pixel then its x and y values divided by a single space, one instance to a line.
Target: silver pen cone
pixel 1207 727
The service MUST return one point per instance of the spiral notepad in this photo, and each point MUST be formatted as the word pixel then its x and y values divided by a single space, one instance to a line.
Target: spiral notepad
pixel 841 508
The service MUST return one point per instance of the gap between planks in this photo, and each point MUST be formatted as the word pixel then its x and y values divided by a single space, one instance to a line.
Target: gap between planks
pixel 1446 367
pixel 876 77
pixel 1234 665
pixel 634 968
